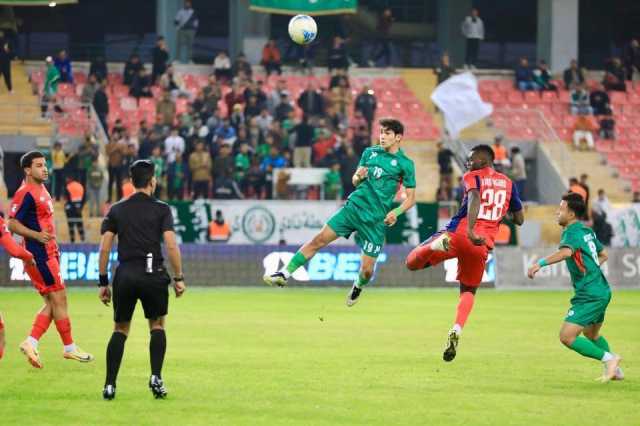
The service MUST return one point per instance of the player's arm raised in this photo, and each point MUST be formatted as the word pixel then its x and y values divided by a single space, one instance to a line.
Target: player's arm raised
pixel 408 202
pixel 559 256
pixel 472 216
pixel 106 242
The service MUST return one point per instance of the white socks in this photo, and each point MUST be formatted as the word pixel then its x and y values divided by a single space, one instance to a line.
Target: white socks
pixel 457 328
pixel 608 356
pixel 70 348
pixel 33 342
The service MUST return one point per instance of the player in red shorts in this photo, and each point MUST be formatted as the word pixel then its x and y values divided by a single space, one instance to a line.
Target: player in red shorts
pixel 469 236
pixel 14 250
pixel 31 217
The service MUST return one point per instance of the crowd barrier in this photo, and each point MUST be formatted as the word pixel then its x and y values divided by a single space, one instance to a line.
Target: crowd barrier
pixel 212 265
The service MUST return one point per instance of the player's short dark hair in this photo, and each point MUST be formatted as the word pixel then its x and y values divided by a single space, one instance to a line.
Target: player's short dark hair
pixel 392 124
pixel 141 172
pixel 486 149
pixel 27 160
pixel 575 203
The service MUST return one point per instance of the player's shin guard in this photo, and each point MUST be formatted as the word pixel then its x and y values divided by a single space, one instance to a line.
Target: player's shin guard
pixel 157 349
pixel 465 305
pixel 40 326
pixel 602 343
pixel 362 280
pixel 115 350
pixel 64 330
pixel 587 348
pixel 296 261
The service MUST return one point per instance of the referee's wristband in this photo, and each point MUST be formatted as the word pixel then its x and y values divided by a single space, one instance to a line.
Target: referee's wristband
pixel 398 211
pixel 542 262
pixel 178 279
pixel 104 280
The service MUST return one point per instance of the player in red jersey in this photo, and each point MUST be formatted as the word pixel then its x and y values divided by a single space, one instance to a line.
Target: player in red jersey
pixel 469 236
pixel 31 217
pixel 14 250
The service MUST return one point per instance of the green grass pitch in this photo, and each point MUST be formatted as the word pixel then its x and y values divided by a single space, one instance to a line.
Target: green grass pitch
pixel 300 357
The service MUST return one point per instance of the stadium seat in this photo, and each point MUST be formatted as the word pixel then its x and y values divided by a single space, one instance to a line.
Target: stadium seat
pixel 549 96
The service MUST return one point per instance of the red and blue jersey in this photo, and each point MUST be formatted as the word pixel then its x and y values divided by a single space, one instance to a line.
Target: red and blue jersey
pixel 32 206
pixel 498 196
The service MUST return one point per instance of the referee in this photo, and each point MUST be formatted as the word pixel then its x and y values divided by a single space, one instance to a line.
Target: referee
pixel 141 223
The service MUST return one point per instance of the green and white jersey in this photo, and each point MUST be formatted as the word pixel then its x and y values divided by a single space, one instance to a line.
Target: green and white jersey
pixel 583 265
pixel 374 196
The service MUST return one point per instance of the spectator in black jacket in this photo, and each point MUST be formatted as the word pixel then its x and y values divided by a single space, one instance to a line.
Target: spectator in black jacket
pixel 303 133
pixel 131 69
pixel 99 68
pixel 311 102
pixel 141 85
pixel 241 64
pixel 573 76
pixel 159 59
pixel 599 100
pixel 5 61
pixel 631 58
pixel 284 107
pixel 101 105
pixel 614 76
pixel 366 103
pixel 338 55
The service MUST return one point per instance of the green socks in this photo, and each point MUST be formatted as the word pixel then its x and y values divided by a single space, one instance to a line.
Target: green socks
pixel 361 281
pixel 588 348
pixel 602 343
pixel 296 261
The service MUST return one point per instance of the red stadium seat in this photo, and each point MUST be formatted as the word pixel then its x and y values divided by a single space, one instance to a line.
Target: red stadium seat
pixel 549 96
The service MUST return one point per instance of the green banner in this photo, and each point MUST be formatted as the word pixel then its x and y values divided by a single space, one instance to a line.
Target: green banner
pixel 307 7
pixel 35 2
pixel 292 222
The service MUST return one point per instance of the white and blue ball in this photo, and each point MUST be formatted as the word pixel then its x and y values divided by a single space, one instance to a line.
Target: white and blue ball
pixel 303 29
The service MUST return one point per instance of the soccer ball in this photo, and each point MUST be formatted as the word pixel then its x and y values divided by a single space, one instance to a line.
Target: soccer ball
pixel 302 29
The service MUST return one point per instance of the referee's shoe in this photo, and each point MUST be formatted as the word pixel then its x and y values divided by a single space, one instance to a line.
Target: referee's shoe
pixel 157 387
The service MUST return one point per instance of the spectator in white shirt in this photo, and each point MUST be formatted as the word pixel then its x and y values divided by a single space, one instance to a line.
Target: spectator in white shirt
pixel 222 66
pixel 173 145
pixel 473 30
pixel 601 204
pixel 187 24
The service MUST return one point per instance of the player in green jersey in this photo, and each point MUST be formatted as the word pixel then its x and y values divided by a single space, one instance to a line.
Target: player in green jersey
pixel 367 210
pixel 583 254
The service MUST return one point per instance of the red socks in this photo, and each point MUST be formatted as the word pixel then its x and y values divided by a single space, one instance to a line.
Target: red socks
pixel 64 329
pixel 40 326
pixel 464 307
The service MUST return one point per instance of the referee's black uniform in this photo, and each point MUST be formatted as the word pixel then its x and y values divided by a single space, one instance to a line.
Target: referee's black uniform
pixel 141 224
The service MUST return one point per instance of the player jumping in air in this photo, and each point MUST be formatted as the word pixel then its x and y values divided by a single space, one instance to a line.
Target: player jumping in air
pixel 31 217
pixel 584 255
pixel 469 236
pixel 367 210
pixel 14 250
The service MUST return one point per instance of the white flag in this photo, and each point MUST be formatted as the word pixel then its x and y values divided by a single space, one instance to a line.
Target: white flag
pixel 459 100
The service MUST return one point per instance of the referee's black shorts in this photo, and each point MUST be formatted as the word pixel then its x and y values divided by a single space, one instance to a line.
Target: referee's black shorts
pixel 132 283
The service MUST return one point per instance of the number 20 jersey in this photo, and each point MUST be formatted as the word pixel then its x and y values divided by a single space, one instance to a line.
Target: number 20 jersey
pixel 498 196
